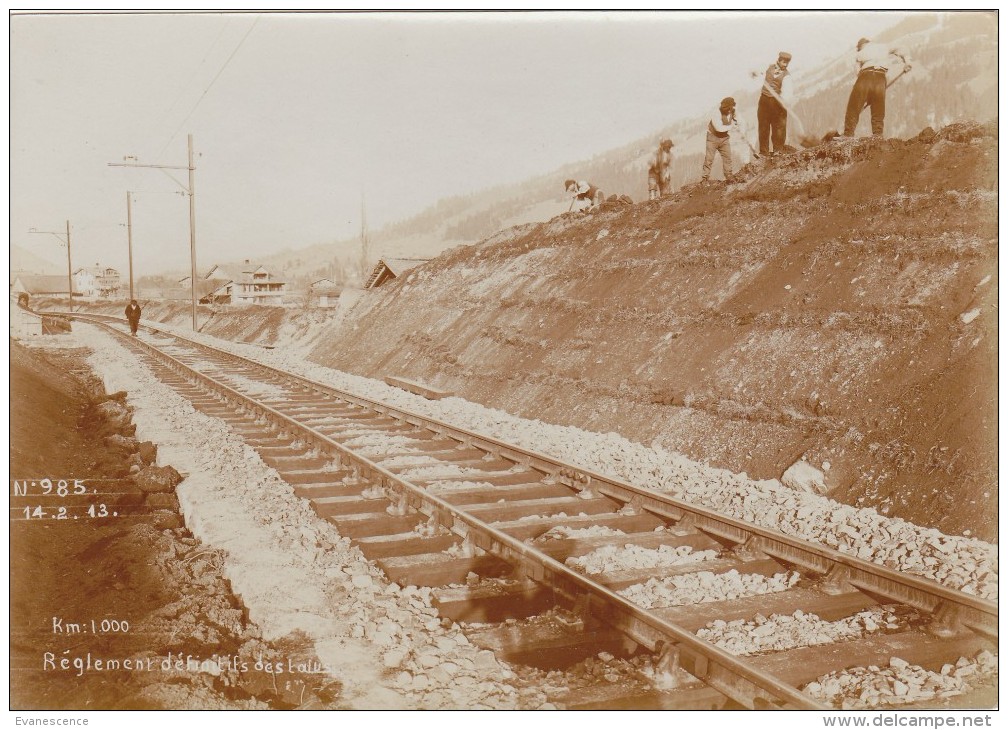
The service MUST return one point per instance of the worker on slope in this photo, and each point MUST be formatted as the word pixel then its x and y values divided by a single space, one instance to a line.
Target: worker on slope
pixel 720 125
pixel 873 62
pixel 771 112
pixel 585 194
pixel 660 170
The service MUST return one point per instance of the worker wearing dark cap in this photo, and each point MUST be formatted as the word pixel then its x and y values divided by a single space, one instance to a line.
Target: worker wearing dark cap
pixel 771 112
pixel 873 60
pixel 718 140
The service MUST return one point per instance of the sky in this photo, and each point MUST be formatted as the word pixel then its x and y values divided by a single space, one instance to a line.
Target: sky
pixel 298 117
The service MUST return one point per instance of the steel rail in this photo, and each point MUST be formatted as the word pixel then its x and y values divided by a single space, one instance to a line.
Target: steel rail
pixel 725 672
pixel 951 609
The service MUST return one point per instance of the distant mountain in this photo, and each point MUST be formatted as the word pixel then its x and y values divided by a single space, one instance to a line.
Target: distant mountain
pixel 954 78
pixel 23 261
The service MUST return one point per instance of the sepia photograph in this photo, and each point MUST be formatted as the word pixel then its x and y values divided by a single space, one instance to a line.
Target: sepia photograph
pixel 484 360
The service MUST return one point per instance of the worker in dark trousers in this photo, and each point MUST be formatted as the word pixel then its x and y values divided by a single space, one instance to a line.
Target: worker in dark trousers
pixel 771 112
pixel 133 316
pixel 873 61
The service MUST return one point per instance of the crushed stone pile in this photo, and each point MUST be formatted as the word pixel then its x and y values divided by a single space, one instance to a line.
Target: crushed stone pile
pixel 684 590
pixel 633 557
pixel 783 632
pixel 576 682
pixel 900 683
pixel 566 532
pixel 454 486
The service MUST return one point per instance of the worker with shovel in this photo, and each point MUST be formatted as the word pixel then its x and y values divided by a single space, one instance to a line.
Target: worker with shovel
pixel 874 61
pixel 772 112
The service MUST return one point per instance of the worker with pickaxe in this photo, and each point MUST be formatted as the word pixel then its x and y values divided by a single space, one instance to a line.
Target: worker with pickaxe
pixel 772 112
pixel 874 61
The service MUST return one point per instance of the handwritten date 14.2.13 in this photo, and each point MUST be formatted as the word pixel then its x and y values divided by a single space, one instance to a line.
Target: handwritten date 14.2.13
pixel 50 493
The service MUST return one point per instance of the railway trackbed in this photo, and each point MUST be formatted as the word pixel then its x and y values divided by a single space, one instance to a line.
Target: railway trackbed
pixel 502 534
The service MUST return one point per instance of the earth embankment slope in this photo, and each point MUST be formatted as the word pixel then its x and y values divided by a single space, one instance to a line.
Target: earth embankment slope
pixel 839 306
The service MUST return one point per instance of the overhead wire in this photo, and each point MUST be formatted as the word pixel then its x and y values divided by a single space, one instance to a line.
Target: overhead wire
pixel 189 82
pixel 213 81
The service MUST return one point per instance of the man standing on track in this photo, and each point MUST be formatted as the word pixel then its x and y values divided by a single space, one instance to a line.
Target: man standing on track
pixel 873 60
pixel 133 316
pixel 771 112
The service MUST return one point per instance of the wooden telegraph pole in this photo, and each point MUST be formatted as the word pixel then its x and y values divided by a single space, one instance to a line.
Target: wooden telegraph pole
pixel 129 238
pixel 69 269
pixel 191 192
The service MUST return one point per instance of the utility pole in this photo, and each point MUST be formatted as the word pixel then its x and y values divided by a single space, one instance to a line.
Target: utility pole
pixel 65 242
pixel 192 229
pixel 69 268
pixel 190 191
pixel 129 239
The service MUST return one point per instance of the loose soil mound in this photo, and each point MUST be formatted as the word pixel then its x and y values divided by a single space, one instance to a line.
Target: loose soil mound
pixel 839 306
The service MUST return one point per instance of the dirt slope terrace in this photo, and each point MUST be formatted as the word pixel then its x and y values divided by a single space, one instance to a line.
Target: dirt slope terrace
pixel 840 305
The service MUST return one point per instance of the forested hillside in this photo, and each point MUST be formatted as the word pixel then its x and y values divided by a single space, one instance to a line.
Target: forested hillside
pixel 952 79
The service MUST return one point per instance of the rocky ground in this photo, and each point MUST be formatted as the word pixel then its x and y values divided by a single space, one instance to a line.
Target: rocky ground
pixel 135 582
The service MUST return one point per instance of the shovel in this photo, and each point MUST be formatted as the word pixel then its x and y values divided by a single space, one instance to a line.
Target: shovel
pixel 789 110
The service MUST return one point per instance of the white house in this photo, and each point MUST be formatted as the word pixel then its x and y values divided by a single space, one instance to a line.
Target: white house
pixel 97 281
pixel 257 285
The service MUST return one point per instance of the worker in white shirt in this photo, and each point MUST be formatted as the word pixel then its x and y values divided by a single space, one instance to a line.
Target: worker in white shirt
pixel 585 194
pixel 873 60
pixel 771 112
pixel 718 140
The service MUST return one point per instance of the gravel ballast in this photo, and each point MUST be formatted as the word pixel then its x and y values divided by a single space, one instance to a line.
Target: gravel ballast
pixel 956 561
pixel 959 562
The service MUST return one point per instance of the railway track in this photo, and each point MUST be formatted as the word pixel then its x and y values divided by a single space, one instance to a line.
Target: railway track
pixel 502 533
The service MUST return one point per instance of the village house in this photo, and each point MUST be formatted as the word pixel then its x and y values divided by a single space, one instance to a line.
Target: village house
pixel 324 293
pixel 388 269
pixel 97 281
pixel 41 285
pixel 256 285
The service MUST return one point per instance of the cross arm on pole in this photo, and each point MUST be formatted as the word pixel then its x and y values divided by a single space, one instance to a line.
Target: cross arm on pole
pixel 60 236
pixel 137 164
